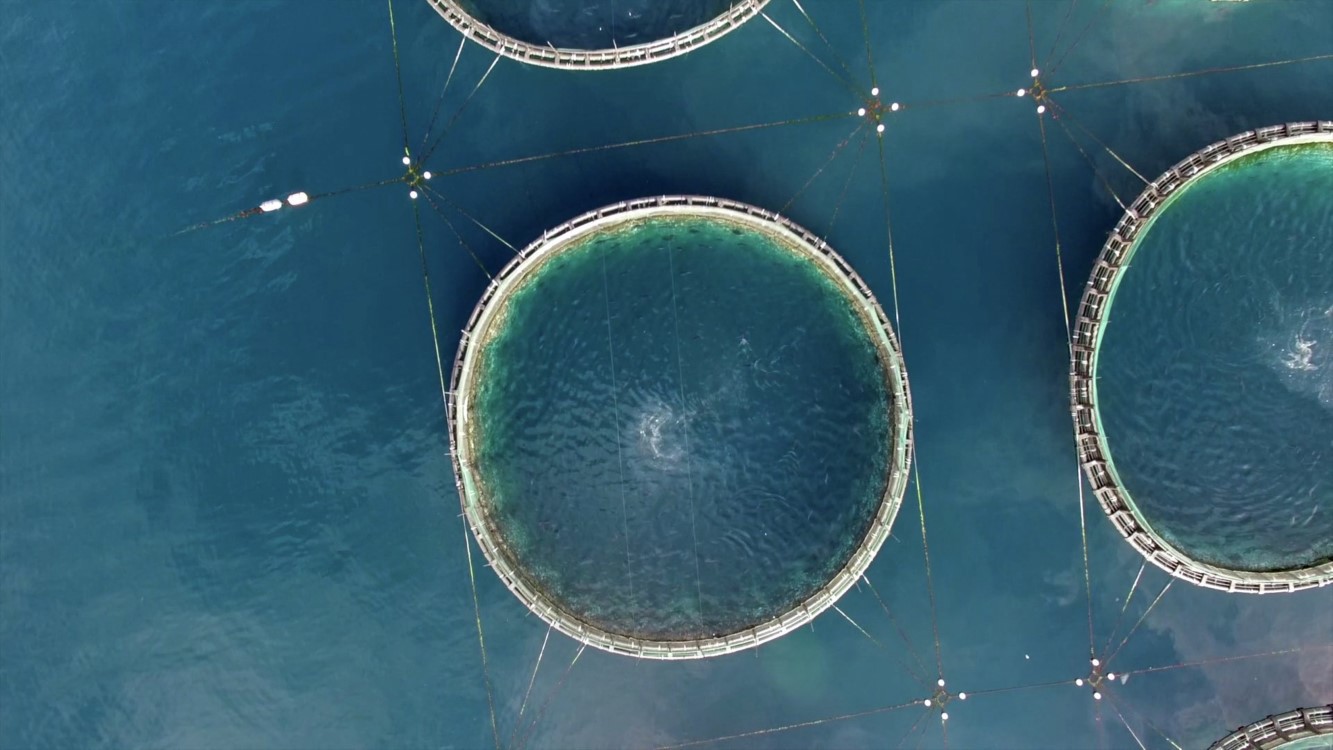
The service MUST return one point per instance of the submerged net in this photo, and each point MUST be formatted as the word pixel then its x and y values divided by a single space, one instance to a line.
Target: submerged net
pixel 681 431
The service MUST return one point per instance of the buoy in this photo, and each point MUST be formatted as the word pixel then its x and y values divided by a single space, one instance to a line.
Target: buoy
pixel 927 703
pixel 874 91
pixel 944 716
pixel 1035 72
pixel 426 175
pixel 940 682
pixel 1096 662
pixel 1041 110
pixel 270 205
pixel 861 112
pixel 1097 696
pixel 1111 676
pixel 298 199
pixel 894 106
pixel 879 128
pixel 962 696
pixel 412 194
pixel 1079 682
pixel 407 160
pixel 1022 92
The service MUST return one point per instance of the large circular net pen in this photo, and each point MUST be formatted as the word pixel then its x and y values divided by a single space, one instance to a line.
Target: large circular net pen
pixel 1300 729
pixel 680 427
pixel 586 36
pixel 1212 384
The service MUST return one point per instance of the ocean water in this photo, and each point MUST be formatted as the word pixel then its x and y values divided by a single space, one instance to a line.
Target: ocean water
pixel 1215 377
pixel 683 428
pixel 226 513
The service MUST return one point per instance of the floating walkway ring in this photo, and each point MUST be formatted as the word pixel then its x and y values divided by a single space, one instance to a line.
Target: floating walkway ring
pixel 1280 730
pixel 1094 454
pixel 596 59
pixel 461 430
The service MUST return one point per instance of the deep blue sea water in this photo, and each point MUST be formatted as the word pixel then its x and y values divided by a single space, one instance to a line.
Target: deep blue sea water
pixel 1215 378
pixel 683 428
pixel 226 513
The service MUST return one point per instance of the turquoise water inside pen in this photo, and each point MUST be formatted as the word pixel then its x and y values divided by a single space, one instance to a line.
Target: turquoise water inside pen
pixel 683 428
pixel 1215 376
pixel 227 516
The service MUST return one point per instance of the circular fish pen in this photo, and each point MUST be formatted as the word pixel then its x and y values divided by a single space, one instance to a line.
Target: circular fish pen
pixel 1198 402
pixel 1301 729
pixel 680 427
pixel 555 36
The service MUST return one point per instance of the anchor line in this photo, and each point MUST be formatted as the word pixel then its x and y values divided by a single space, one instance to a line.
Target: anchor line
pixel 844 81
pixel 831 157
pixel 789 727
pixel 467 543
pixel 1069 343
pixel 435 113
pixel 1192 73
pixel 644 142
pixel 916 464
pixel 475 258
pixel 461 109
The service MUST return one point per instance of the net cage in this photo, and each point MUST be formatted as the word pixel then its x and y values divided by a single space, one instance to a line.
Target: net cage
pixel 482 503
pixel 1088 333
pixel 578 35
pixel 1299 729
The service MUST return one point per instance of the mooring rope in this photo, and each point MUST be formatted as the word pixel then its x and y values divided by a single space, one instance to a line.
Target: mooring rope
pixel 844 81
pixel 911 649
pixel 555 690
pixel 1224 659
pixel 1193 73
pixel 461 108
pixel 398 73
pixel 1120 617
pixel 818 32
pixel 1147 721
pixel 842 197
pixel 1054 66
pixel 257 210
pixel 468 215
pixel 475 258
pixel 912 729
pixel 1142 617
pixel 467 542
pixel 435 113
pixel 865 34
pixel 848 618
pixel 916 464
pixel 996 691
pixel 1106 183
pixel 1069 345
pixel 788 727
pixel 1060 30
pixel 1066 114
pixel 831 157
pixel 1128 728
pixel 518 719
pixel 644 142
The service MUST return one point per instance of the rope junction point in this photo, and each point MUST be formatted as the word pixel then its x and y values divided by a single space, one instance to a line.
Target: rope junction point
pixel 874 109
pixel 1096 679
pixel 415 177
pixel 941 698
